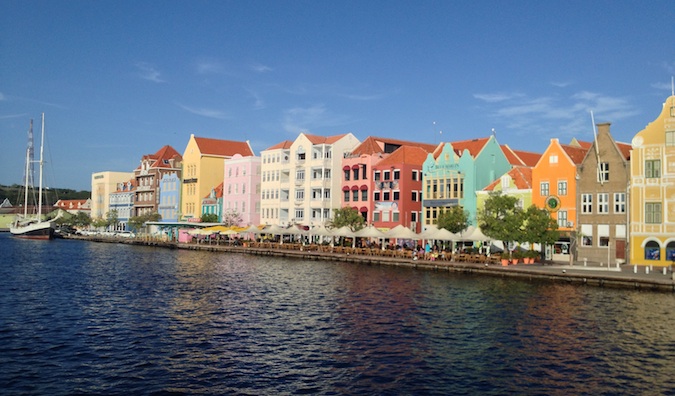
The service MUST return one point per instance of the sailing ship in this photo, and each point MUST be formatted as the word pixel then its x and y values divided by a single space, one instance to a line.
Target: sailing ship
pixel 31 225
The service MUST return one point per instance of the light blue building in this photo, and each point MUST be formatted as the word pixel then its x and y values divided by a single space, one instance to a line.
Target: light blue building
pixel 169 197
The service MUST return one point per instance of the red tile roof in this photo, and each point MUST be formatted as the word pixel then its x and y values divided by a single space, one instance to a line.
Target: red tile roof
pixel 165 153
pixel 625 149
pixel 521 175
pixel 375 145
pixel 225 148
pixel 219 191
pixel 71 204
pixel 520 157
pixel 575 153
pixel 473 145
pixel 286 144
pixel 405 155
pixel 315 139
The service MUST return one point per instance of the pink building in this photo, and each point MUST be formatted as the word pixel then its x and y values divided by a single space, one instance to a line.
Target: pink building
pixel 241 188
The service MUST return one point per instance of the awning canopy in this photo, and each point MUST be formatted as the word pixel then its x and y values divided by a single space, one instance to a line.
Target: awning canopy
pixel 355 188
pixel 357 166
pixel 345 188
pixel 364 187
pixel 346 168
pixel 363 209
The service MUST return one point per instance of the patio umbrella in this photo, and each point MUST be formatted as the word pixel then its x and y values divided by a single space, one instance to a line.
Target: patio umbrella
pixel 321 231
pixel 402 232
pixel 370 232
pixel 477 235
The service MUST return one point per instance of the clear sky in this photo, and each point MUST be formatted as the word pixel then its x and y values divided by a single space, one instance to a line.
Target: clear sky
pixel 120 79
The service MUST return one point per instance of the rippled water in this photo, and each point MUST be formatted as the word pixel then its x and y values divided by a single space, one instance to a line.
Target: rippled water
pixel 93 318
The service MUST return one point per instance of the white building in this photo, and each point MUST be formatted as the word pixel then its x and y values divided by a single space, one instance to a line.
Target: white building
pixel 301 179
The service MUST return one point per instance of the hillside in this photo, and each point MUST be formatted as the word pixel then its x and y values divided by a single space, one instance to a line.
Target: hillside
pixel 14 194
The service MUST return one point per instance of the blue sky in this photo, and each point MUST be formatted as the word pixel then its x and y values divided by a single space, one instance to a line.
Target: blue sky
pixel 120 79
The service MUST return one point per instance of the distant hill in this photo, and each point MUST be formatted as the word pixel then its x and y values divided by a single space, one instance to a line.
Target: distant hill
pixel 15 194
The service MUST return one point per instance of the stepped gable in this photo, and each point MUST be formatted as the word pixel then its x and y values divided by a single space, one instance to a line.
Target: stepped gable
pixel 375 145
pixel 575 153
pixel 474 146
pixel 405 155
pixel 521 175
pixel 286 144
pixel 225 148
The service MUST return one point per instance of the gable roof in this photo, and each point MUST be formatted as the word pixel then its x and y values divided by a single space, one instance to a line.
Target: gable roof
pixel 286 144
pixel 520 157
pixel 405 155
pixel 316 139
pixel 219 191
pixel 163 154
pixel 575 153
pixel 521 175
pixel 474 146
pixel 625 149
pixel 225 148
pixel 376 145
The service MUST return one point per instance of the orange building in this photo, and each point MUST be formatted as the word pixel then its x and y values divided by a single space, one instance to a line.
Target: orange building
pixel 554 188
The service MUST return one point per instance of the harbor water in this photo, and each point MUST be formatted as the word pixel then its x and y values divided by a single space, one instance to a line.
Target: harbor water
pixel 80 317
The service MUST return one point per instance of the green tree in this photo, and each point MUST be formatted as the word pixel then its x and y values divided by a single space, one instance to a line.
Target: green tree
pixel 136 223
pixel 539 227
pixel 81 219
pixel 209 218
pixel 111 219
pixel 349 217
pixel 501 218
pixel 456 219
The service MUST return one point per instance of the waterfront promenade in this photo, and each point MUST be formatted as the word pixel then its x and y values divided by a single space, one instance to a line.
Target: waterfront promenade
pixel 593 274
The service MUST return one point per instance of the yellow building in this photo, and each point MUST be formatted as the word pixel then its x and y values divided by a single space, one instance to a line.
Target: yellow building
pixel 102 185
pixel 204 169
pixel 652 191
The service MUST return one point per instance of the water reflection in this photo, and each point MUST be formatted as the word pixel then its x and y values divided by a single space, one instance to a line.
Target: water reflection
pixel 99 318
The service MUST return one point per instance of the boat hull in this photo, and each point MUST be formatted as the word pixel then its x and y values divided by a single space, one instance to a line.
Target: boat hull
pixel 44 230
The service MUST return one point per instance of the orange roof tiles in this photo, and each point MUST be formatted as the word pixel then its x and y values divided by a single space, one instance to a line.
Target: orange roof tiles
pixel 576 154
pixel 474 146
pixel 625 149
pixel 286 144
pixel 522 178
pixel 165 153
pixel 375 145
pixel 226 148
pixel 219 191
pixel 405 155
pixel 315 139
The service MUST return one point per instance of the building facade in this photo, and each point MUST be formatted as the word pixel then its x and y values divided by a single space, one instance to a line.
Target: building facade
pixel 203 167
pixel 102 185
pixel 213 203
pixel 298 184
pixel 242 186
pixel 169 196
pixel 148 176
pixel 602 192
pixel 652 191
pixel 122 203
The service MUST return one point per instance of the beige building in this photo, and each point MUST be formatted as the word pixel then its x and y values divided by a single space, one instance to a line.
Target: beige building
pixel 102 185
pixel 602 205
pixel 203 170
pixel 301 179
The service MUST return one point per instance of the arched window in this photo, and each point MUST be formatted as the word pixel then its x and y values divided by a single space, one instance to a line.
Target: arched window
pixel 652 251
pixel 670 251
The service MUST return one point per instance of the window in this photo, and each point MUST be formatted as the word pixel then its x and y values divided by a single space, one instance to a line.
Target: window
pixel 346 197
pixel 397 195
pixel 364 195
pixel 299 214
pixel 347 175
pixel 415 175
pixel 652 251
pixel 299 194
pixel 386 175
pixel 355 195
pixel 653 212
pixel 385 215
pixel 413 217
pixel 562 187
pixel 300 175
pixel 395 216
pixel 386 196
pixel 652 168
pixel 356 174
pixel 603 172
pixel 586 235
pixel 562 218
pixel 619 202
pixel 376 196
pixel 326 194
pixel 376 216
pixel 586 203
pixel 376 175
pixel 603 235
pixel 553 159
pixel 543 186
pixel 670 135
pixel 603 203
pixel 414 196
pixel 397 174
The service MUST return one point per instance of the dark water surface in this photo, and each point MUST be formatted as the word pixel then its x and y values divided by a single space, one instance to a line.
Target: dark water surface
pixel 93 318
